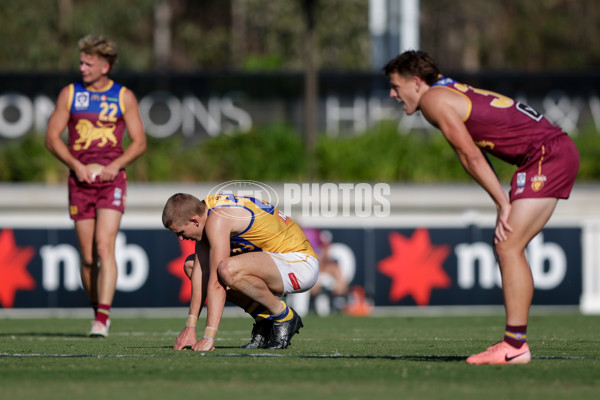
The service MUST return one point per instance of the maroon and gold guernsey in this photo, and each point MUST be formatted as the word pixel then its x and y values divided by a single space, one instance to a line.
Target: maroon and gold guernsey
pixel 96 124
pixel 506 128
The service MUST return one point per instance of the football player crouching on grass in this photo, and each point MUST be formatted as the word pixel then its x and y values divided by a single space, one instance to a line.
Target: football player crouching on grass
pixel 247 252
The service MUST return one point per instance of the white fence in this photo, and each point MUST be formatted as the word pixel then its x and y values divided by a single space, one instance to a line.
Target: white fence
pixel 38 205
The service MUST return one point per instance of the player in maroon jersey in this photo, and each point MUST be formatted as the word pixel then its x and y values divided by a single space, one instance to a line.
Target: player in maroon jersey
pixel 96 112
pixel 475 121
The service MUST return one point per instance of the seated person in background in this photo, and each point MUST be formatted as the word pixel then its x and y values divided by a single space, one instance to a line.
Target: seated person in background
pixel 330 275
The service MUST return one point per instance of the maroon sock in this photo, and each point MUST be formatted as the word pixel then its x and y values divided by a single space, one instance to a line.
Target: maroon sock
pixel 516 336
pixel 103 313
pixel 94 305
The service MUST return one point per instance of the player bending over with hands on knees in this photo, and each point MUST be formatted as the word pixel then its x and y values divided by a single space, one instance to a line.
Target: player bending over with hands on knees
pixel 247 252
pixel 473 121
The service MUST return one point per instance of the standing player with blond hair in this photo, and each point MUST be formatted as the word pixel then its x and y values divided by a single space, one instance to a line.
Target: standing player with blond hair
pixel 474 120
pixel 96 111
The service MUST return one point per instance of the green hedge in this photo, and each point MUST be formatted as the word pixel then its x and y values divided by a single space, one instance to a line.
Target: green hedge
pixel 277 153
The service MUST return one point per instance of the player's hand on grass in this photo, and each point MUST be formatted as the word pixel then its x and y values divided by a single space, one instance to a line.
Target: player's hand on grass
pixel 187 338
pixel 205 344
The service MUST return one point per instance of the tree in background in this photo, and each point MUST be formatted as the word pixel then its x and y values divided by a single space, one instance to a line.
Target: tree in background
pixel 267 35
pixel 512 34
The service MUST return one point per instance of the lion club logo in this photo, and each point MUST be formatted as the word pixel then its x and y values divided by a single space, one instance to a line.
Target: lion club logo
pixel 88 133
pixel 537 182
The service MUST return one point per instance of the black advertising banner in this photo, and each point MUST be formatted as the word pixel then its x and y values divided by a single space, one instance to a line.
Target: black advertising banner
pixel 418 266
pixel 457 267
pixel 40 268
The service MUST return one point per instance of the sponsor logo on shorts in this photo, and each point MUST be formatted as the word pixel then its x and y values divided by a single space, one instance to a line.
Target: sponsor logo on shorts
pixel 294 281
pixel 537 182
pixel 521 179
pixel 117 197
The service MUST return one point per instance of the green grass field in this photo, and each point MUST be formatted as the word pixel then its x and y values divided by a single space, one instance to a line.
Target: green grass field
pixel 337 357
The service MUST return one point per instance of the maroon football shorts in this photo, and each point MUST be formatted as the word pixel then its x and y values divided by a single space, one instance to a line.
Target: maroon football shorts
pixel 550 171
pixel 85 198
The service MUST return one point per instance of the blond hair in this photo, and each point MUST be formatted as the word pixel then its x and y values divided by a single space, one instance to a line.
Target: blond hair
pixel 180 208
pixel 100 46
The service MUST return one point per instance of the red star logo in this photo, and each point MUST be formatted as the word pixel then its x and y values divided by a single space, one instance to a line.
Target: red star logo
pixel 13 268
pixel 415 267
pixel 175 267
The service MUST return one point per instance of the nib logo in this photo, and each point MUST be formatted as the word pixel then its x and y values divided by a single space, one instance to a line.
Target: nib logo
pixel 13 268
pixel 175 267
pixel 415 267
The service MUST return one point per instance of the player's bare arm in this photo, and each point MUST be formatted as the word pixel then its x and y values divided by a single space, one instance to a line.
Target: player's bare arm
pixel 56 125
pixel 198 275
pixel 446 110
pixel 218 230
pixel 187 337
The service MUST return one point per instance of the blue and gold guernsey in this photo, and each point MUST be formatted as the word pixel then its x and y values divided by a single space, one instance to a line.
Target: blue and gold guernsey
pixel 269 229
pixel 96 124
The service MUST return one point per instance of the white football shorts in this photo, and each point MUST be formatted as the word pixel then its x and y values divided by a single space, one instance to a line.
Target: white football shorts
pixel 299 271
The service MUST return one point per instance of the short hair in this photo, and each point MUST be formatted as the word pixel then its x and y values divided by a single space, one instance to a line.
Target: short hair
pixel 413 63
pixel 180 208
pixel 100 46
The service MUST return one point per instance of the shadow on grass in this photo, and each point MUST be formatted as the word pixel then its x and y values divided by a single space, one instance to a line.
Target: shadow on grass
pixel 45 334
pixel 283 353
pixel 441 358
pixel 254 354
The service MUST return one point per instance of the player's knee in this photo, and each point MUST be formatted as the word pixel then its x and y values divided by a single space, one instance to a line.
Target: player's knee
pixel 104 253
pixel 105 250
pixel 500 250
pixel 87 261
pixel 506 250
pixel 188 266
pixel 228 272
